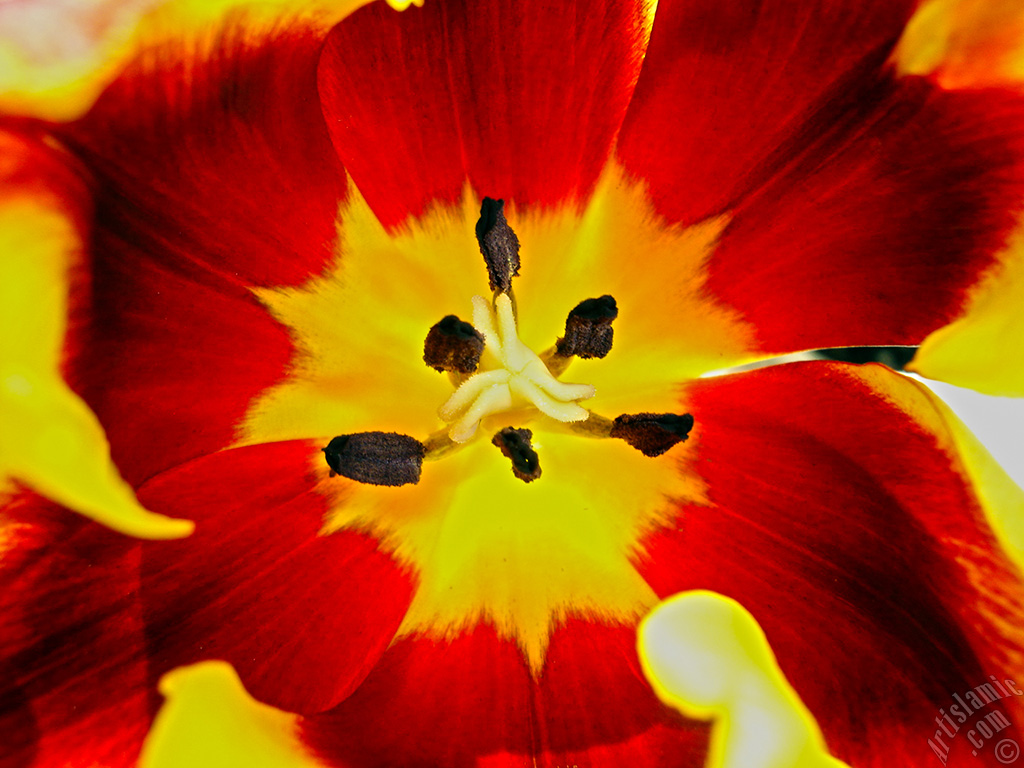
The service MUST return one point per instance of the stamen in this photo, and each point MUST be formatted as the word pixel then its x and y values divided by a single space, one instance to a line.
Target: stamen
pixel 376 458
pixel 515 444
pixel 453 345
pixel 438 445
pixel 498 244
pixel 652 433
pixel 588 329
pixel 498 378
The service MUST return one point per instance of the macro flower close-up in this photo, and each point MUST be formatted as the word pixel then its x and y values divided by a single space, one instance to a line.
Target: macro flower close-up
pixel 369 376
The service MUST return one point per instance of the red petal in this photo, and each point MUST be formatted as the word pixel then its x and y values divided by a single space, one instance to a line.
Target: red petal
pixel 212 175
pixel 170 364
pixel 429 704
pixel 522 98
pixel 865 208
pixel 878 240
pixel 301 616
pixel 595 708
pixel 725 86
pixel 472 702
pixel 72 654
pixel 214 159
pixel 858 547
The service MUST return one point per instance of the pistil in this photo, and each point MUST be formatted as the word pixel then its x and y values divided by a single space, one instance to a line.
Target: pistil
pixel 522 376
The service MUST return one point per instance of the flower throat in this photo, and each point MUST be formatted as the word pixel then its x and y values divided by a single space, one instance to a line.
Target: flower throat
pixel 498 378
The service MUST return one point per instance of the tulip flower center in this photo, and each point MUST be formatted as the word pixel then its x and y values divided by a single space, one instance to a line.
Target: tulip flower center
pixel 518 375
pixel 513 459
pixel 513 378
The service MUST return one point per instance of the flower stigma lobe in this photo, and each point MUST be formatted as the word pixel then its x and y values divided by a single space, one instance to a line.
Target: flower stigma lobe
pixel 522 376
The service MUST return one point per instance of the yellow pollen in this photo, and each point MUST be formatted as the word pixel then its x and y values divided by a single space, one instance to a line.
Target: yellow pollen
pixel 520 377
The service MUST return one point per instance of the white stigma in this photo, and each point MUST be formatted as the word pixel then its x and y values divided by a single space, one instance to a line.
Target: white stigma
pixel 522 377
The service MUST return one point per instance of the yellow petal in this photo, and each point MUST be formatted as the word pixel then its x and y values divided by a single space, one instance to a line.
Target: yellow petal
pixel 974 43
pixel 187 17
pixel 704 654
pixel 57 56
pixel 50 440
pixel 983 349
pixel 210 721
pixel 965 43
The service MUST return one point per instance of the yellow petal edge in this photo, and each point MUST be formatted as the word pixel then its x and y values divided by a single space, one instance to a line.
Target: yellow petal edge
pixel 704 654
pixel 972 44
pixel 1001 499
pixel 209 721
pixel 56 58
pixel 965 43
pixel 983 349
pixel 50 440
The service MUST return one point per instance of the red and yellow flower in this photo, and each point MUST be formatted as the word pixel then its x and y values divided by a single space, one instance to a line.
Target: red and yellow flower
pixel 263 225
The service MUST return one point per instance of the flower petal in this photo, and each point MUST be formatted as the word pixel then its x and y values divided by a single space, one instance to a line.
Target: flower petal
pixel 594 708
pixel 209 721
pixel 301 616
pixel 204 190
pixel 521 98
pixel 705 655
pixel 1000 497
pixel 72 654
pixel 51 441
pixel 965 43
pixel 982 348
pixel 428 703
pixel 726 86
pixel 217 151
pixel 472 701
pixel 55 70
pixel 863 205
pixel 876 239
pixel 852 535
